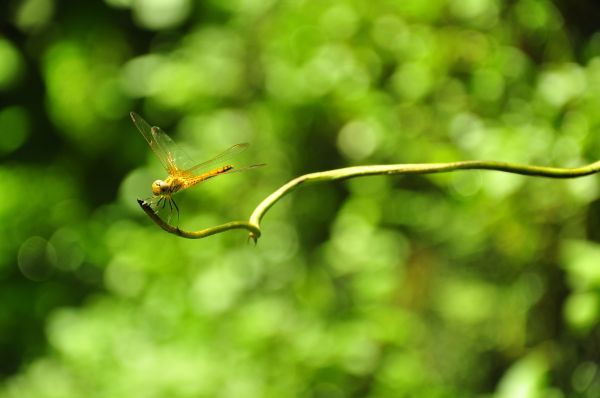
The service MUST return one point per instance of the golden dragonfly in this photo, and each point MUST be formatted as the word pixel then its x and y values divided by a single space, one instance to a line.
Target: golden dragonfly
pixel 182 172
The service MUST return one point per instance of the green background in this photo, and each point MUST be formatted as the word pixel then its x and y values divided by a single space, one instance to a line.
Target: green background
pixel 467 284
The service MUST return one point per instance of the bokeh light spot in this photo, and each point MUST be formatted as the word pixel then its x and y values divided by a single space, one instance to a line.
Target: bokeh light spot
pixel 11 64
pixel 390 32
pixel 69 251
pixel 535 14
pixel 34 14
pixel 580 260
pixel 15 127
pixel 488 84
pixel 468 9
pixel 123 279
pixel 161 14
pixel 582 310
pixel 136 75
pixel 562 85
pixel 119 3
pixel 339 21
pixel 583 375
pixel 358 139
pixel 466 184
pixel 524 378
pixel 412 80
pixel 36 258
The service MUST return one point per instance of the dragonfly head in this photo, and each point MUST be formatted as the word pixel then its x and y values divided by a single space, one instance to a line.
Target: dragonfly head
pixel 159 187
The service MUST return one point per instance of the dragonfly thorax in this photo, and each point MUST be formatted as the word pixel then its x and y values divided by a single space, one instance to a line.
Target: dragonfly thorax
pixel 159 187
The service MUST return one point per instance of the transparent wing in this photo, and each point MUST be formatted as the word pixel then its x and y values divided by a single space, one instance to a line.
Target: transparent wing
pixel 226 154
pixel 146 131
pixel 176 158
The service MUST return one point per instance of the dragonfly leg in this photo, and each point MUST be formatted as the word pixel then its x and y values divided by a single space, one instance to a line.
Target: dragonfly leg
pixel 154 203
pixel 151 201
pixel 158 202
pixel 170 210
pixel 177 209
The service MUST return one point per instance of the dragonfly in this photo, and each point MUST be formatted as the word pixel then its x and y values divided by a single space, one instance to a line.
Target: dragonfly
pixel 182 172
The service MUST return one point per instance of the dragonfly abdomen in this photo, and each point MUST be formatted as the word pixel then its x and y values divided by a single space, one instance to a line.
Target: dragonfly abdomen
pixel 222 169
pixel 205 176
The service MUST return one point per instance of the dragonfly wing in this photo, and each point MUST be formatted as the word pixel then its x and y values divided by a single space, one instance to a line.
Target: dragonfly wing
pixel 148 135
pixel 226 154
pixel 173 158
pixel 175 155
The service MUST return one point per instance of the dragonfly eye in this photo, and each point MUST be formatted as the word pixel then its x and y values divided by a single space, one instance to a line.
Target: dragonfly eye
pixel 158 187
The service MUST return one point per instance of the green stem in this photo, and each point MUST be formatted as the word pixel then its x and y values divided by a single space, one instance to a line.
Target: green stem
pixel 203 233
pixel 418 168
pixel 253 224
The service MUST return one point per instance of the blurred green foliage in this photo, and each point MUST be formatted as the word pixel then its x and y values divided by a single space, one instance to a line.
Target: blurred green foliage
pixel 464 284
